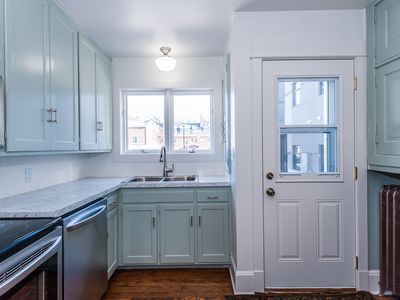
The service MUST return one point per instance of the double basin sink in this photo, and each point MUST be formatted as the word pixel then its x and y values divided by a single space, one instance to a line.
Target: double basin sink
pixel 162 178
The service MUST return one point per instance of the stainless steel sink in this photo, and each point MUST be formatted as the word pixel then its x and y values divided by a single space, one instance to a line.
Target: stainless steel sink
pixel 162 179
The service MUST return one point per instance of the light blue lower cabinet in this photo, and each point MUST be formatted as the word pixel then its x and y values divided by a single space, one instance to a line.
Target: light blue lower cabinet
pixel 139 234
pixel 174 226
pixel 177 233
pixel 213 232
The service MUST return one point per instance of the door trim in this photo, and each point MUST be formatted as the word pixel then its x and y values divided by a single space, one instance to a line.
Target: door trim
pixel 360 160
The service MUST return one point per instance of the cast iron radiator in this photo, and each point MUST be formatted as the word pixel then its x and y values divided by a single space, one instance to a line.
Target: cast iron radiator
pixel 390 240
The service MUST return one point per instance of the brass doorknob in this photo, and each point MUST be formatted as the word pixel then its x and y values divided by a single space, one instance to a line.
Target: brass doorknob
pixel 270 192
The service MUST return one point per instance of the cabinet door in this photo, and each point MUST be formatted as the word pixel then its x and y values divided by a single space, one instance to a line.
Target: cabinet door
pixel 139 234
pixel 213 233
pixel 112 241
pixel 177 233
pixel 103 78
pixel 387 106
pixel 387 30
pixel 27 53
pixel 87 95
pixel 64 81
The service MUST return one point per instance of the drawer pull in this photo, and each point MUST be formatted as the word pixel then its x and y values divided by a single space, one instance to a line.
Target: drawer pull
pixel 212 197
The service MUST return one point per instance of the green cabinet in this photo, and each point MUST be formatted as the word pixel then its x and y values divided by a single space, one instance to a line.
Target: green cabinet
pixel 95 97
pixel 139 234
pixel 191 225
pixel 112 234
pixel 383 42
pixel 41 77
pixel 177 233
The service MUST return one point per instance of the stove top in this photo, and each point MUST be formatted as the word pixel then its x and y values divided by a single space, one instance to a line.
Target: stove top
pixel 16 233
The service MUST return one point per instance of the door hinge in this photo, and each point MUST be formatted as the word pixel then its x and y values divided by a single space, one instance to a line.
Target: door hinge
pixel 355 83
pixel 355 173
pixel 356 262
pixel 376 80
pixel 375 18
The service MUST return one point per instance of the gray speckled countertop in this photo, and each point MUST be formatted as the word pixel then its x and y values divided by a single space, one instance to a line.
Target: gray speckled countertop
pixel 61 199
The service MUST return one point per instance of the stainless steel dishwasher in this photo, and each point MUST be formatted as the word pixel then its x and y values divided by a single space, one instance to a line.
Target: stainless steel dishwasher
pixel 85 252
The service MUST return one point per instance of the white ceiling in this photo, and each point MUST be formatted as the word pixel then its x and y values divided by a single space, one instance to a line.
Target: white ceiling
pixel 190 27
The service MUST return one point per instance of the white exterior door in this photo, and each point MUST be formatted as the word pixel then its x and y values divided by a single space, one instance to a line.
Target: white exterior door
pixel 308 148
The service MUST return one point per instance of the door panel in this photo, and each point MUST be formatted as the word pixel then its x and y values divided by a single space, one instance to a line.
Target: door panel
pixel 27 53
pixel 64 80
pixel 308 133
pixel 177 233
pixel 139 234
pixel 87 87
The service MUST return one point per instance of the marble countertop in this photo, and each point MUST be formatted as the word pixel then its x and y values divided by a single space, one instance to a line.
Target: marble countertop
pixel 61 199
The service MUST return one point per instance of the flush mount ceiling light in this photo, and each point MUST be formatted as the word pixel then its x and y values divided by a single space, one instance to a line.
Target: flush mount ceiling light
pixel 165 62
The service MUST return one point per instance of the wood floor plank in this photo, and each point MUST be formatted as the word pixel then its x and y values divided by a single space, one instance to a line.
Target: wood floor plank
pixel 181 284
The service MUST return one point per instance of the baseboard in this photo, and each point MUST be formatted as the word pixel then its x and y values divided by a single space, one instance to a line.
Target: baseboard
pixel 242 281
pixel 373 281
pixel 362 280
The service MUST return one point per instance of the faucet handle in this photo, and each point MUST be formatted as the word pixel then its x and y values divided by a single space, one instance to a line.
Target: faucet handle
pixel 173 167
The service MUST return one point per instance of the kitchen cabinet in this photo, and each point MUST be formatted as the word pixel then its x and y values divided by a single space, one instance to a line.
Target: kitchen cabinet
pixel 383 45
pixel 139 234
pixel 191 225
pixel 112 234
pixel 41 74
pixel 177 233
pixel 95 97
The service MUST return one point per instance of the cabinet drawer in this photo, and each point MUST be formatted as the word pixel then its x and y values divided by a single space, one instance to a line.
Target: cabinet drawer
pixel 157 195
pixel 213 195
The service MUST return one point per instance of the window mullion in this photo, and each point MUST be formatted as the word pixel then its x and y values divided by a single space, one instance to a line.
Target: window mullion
pixel 168 119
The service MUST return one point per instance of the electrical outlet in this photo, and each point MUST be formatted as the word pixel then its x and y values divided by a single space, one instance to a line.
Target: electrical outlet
pixel 28 175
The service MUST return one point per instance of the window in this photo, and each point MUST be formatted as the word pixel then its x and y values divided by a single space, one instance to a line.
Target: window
pixel 309 132
pixel 180 120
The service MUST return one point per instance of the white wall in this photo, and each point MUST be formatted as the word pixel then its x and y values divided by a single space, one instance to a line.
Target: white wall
pixel 288 34
pixel 47 170
pixel 141 73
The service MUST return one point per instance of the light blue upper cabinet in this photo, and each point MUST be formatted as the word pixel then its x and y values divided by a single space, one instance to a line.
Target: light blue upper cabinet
pixel 1 42
pixel 383 27
pixel 95 97
pixel 387 29
pixel 87 90
pixel 27 75
pixel 64 80
pixel 103 78
pixel 41 77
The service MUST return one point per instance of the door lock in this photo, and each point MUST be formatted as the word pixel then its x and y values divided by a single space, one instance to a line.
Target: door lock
pixel 270 192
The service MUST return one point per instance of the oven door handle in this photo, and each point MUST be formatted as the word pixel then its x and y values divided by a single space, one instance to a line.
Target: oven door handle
pixel 85 218
pixel 18 267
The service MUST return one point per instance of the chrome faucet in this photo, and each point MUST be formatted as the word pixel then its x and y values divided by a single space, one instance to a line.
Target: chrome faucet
pixel 163 158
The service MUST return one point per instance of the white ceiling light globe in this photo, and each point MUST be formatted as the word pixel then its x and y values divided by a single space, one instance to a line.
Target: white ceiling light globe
pixel 165 63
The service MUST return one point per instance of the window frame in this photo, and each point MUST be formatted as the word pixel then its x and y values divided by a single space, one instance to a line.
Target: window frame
pixel 168 94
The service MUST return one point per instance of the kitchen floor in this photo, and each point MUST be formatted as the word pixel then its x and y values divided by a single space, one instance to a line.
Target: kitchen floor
pixel 169 283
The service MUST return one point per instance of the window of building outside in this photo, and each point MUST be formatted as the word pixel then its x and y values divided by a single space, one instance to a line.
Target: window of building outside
pixel 180 120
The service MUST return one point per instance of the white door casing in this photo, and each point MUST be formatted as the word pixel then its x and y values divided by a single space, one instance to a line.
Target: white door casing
pixel 309 224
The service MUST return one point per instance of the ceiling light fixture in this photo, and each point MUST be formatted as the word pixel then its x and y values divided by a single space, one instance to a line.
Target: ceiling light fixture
pixel 165 63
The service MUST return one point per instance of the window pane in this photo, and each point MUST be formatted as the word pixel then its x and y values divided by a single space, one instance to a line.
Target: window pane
pixel 145 122
pixel 306 150
pixel 307 101
pixel 192 115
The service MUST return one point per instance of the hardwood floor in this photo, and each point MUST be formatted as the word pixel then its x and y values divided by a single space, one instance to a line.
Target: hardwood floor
pixel 185 284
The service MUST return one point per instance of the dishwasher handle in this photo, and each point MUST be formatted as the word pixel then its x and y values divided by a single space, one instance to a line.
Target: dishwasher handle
pixel 86 218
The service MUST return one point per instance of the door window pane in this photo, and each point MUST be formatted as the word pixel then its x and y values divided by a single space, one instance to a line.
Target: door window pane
pixel 309 150
pixel 192 126
pixel 307 101
pixel 145 122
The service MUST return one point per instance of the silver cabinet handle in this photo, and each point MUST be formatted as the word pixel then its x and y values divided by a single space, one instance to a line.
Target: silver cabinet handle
pixel 49 114
pixel 90 216
pixel 55 115
pixel 212 197
pixel 191 221
pixel 199 220
pixel 154 221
